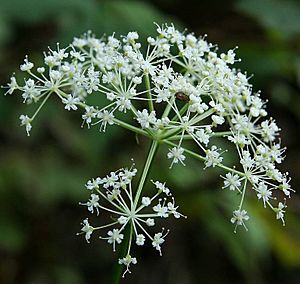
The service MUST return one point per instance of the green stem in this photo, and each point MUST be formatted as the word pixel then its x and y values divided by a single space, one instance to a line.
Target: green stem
pixel 181 112
pixel 149 96
pixel 243 194
pixel 131 127
pixel 168 107
pixel 145 172
pixel 40 106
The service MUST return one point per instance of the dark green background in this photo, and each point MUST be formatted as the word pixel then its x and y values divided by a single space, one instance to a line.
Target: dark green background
pixel 42 177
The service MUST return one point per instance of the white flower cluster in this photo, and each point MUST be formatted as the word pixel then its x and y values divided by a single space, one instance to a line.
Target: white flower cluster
pixel 114 194
pixel 206 100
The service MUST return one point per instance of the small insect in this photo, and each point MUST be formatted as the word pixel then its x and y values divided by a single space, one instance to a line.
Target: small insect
pixel 182 97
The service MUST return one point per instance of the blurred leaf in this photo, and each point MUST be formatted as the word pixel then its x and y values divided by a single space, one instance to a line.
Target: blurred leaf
pixel 67 275
pixel 297 67
pixel 12 236
pixel 32 11
pixel 287 245
pixel 133 15
pixel 281 17
pixel 265 62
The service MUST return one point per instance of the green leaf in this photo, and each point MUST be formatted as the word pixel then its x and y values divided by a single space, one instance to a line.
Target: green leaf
pixel 282 18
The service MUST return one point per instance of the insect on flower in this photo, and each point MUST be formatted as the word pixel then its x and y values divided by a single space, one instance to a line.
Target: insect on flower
pixel 182 97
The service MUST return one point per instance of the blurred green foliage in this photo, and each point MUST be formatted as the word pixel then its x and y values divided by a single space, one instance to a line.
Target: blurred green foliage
pixel 42 177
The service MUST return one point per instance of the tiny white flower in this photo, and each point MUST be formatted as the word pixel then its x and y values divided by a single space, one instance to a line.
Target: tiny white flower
pixel 202 136
pixel 162 211
pixel 111 195
pixel 238 217
pixel 93 203
pixel 146 201
pixel 140 239
pixel 12 85
pixel 86 229
pixel 90 113
pixel 173 209
pixel 71 102
pixel 41 70
pixel 213 157
pixel 158 240
pixel 111 96
pixel 162 187
pixel 280 212
pixel 127 261
pixel 218 119
pixel 27 66
pixel 123 220
pixel 263 193
pixel 93 184
pixel 246 160
pixel 150 222
pixel 114 237
pixel 145 119
pixel 176 153
pixel 26 121
pixel 232 182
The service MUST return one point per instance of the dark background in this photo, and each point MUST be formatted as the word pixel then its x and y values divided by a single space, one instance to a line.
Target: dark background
pixel 42 177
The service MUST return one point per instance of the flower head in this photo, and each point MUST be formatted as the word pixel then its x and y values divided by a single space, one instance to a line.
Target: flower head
pixel 115 195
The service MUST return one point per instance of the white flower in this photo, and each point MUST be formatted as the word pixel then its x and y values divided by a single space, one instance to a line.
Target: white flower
pixel 146 201
pixel 176 91
pixel 162 187
pixel 145 119
pixel 158 239
pixel 106 117
pixel 123 220
pixel 140 239
pixel 93 184
pixel 113 194
pixel 162 211
pixel 213 157
pixel 114 237
pixel 119 200
pixel 176 153
pixel 229 57
pixel 269 130
pixel 26 121
pixel 86 229
pixel 30 91
pixel 12 86
pixel 41 70
pixel 202 136
pixel 232 182
pixel 285 187
pixel 93 203
pixel 246 160
pixel 218 119
pixel 132 36
pixel 263 193
pixel 172 209
pixel 238 217
pixel 71 102
pixel 90 113
pixel 111 180
pixel 127 261
pixel 280 212
pixel 27 66
pixel 239 139
pixel 150 222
